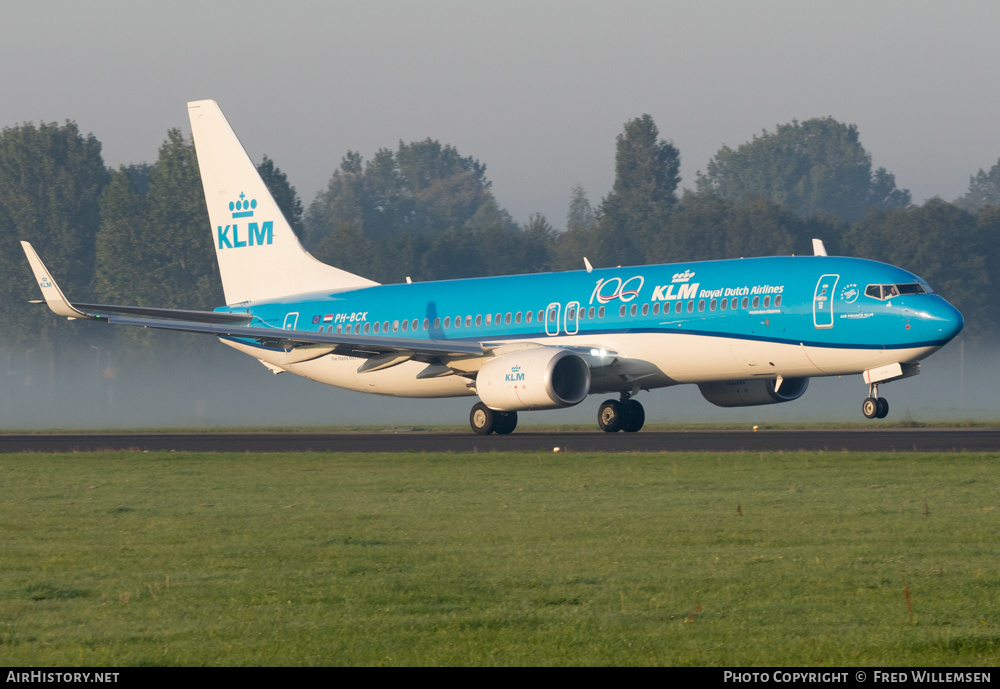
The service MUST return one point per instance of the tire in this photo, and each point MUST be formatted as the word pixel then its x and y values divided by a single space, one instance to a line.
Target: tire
pixel 609 416
pixel 633 416
pixel 482 419
pixel 869 407
pixel 506 422
pixel 883 408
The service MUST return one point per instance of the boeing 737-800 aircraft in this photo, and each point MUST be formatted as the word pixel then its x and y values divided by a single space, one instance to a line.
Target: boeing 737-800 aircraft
pixel 746 332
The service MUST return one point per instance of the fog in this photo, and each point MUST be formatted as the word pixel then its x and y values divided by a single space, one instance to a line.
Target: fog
pixel 87 386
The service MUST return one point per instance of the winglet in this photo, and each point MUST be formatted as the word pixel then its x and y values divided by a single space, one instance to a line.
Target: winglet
pixel 54 297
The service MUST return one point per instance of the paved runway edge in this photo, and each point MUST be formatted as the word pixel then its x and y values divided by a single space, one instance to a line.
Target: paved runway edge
pixel 874 440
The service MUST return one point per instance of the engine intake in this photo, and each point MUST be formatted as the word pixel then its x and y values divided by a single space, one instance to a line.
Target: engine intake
pixel 748 393
pixel 539 378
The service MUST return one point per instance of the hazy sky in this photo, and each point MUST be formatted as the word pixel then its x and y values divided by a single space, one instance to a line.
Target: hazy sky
pixel 536 90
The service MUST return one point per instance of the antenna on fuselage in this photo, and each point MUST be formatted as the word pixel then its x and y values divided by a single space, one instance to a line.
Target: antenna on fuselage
pixel 818 248
pixel 586 264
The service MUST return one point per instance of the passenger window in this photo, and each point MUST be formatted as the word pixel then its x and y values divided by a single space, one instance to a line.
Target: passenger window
pixel 744 303
pixel 395 326
pixel 458 321
pixel 468 321
pixel 414 325
pixel 777 300
pixel 517 317
pixel 656 308
pixel 437 323
pixel 339 327
pixel 645 309
pixel 767 301
pixel 634 309
pixel 378 326
pixel 701 305
pixel 385 327
pixel 367 327
pixel 621 310
pixel 723 304
pixel 479 319
pixel 427 323
pixel 590 313
pixel 506 318
pixel 600 312
pixel 528 315
pixel 498 318
pixel 447 321
pixel 712 304
pixel 406 326
pixel 690 307
pixel 677 307
pixel 756 302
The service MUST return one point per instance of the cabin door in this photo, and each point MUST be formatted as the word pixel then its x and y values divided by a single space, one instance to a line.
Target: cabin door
pixel 823 301
pixel 552 318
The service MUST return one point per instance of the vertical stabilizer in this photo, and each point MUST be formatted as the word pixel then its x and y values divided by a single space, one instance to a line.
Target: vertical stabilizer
pixel 259 255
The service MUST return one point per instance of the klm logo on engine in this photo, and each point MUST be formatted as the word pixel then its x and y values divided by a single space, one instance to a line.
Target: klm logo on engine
pixel 253 234
pixel 515 375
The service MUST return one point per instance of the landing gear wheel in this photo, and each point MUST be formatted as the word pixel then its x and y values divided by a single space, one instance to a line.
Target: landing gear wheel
pixel 483 419
pixel 883 408
pixel 505 423
pixel 609 416
pixel 870 407
pixel 633 416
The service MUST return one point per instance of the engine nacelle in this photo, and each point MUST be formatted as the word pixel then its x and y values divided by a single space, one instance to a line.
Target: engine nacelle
pixel 538 378
pixel 747 393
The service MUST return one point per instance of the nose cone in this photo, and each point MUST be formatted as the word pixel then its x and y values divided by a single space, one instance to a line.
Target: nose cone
pixel 947 319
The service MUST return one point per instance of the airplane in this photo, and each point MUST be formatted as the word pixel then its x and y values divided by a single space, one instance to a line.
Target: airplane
pixel 747 331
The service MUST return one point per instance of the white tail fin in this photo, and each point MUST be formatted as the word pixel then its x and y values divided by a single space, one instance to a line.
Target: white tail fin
pixel 259 255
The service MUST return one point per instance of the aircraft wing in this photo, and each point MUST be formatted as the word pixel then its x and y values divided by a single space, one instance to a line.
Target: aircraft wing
pixel 302 345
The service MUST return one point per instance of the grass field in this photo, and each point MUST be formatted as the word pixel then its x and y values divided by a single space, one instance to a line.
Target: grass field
pixel 500 559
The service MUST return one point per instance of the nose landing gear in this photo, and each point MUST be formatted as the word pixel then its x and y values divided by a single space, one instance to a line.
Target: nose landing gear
pixel 874 407
pixel 624 415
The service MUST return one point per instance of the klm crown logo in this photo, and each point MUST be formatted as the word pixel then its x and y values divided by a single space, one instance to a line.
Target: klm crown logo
pixel 255 234
pixel 243 208
pixel 515 375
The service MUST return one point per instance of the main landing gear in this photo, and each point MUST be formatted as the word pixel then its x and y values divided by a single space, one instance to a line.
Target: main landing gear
pixel 485 420
pixel 874 407
pixel 624 415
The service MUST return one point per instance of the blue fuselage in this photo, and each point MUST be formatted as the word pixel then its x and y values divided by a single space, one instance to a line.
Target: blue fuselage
pixel 814 301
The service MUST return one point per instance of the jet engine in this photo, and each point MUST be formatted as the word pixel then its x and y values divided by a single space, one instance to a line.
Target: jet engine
pixel 538 378
pixel 747 393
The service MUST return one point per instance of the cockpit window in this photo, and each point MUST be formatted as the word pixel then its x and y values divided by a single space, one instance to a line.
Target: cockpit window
pixel 884 292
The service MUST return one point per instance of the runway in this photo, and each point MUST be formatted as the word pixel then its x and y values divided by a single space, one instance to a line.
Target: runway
pixel 828 440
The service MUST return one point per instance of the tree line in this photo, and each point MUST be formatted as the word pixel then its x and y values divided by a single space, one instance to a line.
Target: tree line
pixel 139 234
